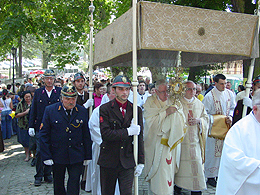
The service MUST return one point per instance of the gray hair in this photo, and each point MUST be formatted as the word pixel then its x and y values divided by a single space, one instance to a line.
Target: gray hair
pixel 256 98
pixel 189 81
pixel 160 82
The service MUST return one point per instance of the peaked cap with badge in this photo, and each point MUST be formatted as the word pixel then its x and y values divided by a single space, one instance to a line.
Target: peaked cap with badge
pixel 78 75
pixel 69 90
pixel 121 81
pixel 49 73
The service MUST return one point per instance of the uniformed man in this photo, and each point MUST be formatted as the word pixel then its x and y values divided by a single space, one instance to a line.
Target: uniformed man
pixel 45 96
pixel 83 100
pixel 116 159
pixel 83 96
pixel 65 140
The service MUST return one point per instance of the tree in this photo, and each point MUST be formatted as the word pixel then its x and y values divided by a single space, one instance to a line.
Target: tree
pixel 60 27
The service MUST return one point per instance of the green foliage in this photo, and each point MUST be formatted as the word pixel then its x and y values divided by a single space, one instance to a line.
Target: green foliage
pixel 58 26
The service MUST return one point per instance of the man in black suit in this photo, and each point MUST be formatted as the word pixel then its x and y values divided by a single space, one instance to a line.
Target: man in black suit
pixel 83 96
pixel 116 157
pixel 45 96
pixel 65 140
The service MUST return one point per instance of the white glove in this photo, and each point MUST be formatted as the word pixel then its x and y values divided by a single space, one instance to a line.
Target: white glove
pixel 31 132
pixel 138 170
pixel 247 102
pixel 133 129
pixel 86 162
pixel 89 103
pixel 48 162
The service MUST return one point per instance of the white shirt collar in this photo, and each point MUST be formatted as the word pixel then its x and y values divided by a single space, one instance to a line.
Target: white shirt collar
pixel 189 100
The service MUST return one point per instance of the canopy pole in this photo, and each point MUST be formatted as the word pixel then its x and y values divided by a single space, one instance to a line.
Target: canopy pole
pixel 135 83
pixel 91 25
pixel 251 69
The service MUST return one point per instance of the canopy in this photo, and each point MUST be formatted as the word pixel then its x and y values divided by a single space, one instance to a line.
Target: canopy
pixel 204 37
pixel 37 72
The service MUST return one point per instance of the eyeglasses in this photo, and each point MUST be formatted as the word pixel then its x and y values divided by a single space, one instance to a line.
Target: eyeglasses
pixel 163 92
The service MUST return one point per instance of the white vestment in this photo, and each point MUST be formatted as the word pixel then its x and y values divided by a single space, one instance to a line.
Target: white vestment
pixel 162 135
pixel 214 146
pixel 93 172
pixel 239 171
pixel 190 175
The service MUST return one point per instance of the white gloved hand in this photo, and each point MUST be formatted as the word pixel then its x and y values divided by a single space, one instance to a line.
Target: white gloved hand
pixel 138 170
pixel 247 102
pixel 31 132
pixel 133 129
pixel 48 162
pixel 89 103
pixel 86 162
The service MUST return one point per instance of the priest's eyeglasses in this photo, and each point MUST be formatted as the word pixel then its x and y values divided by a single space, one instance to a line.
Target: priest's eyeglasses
pixel 189 89
pixel 163 92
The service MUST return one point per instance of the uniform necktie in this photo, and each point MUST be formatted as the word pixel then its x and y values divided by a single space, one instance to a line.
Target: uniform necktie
pixel 68 113
pixel 81 97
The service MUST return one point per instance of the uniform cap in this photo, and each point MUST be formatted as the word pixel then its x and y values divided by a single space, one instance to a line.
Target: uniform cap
pixel 78 76
pixel 49 73
pixel 257 80
pixel 69 90
pixel 121 81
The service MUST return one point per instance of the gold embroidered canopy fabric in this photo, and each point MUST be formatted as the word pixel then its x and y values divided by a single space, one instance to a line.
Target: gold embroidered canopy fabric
pixel 204 37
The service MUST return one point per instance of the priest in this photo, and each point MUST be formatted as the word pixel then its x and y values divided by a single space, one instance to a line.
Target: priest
pixel 239 171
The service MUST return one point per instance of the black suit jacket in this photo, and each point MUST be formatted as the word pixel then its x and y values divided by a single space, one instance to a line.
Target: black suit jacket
pixel 81 101
pixel 117 146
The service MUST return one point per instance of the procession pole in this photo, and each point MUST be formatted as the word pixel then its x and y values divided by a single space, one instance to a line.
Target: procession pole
pixel 91 25
pixel 135 83
pixel 251 68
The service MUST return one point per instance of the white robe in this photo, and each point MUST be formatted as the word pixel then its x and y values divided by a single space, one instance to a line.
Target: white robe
pixel 93 172
pixel 190 175
pixel 162 135
pixel 214 146
pixel 239 171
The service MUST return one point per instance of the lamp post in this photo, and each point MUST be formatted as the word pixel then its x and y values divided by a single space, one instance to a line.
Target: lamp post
pixel 14 55
pixel 91 25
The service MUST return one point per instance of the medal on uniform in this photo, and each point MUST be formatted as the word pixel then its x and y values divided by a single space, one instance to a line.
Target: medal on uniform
pixel 67 129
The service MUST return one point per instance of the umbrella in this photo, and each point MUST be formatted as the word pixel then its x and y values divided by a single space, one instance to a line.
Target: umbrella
pixel 37 72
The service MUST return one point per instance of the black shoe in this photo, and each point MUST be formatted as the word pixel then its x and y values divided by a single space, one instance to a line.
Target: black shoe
pixel 196 192
pixel 83 185
pixel 177 190
pixel 48 179
pixel 33 162
pixel 37 182
pixel 212 182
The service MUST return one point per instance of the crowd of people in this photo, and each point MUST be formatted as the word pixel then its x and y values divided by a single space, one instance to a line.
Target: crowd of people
pixel 180 140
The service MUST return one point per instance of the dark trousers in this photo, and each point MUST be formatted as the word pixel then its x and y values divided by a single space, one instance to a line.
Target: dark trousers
pixel 41 169
pixel 108 177
pixel 74 171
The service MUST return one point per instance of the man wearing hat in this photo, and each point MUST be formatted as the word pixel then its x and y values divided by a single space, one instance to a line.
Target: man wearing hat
pixel 246 101
pixel 83 100
pixel 45 96
pixel 116 159
pixel 65 140
pixel 83 96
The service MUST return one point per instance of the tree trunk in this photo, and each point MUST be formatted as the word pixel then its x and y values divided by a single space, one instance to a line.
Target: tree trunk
pixel 45 60
pixel 20 68
pixel 157 73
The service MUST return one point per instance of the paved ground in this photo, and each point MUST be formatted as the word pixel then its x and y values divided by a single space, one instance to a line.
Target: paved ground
pixel 16 176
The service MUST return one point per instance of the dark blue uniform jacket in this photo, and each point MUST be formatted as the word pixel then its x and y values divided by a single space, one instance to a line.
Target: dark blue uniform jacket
pixel 62 140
